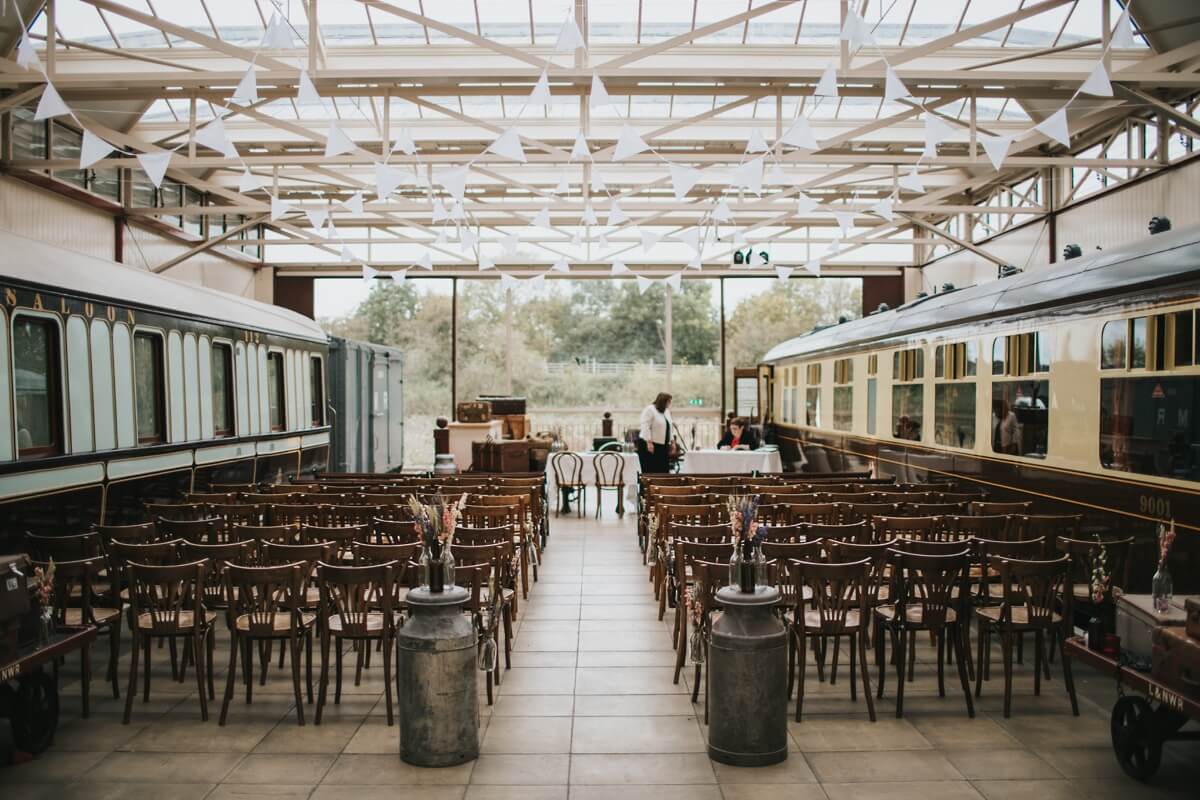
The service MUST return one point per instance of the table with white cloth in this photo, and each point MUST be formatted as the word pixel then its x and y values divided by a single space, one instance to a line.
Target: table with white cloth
pixel 731 462
pixel 633 468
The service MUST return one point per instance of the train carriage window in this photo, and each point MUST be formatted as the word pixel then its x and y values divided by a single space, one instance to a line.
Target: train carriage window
pixel 1148 426
pixel 149 387
pixel 276 395
pixel 221 357
pixel 907 408
pixel 37 387
pixel 812 406
pixel 939 361
pixel 998 355
pixel 872 405
pixel 843 394
pixel 954 415
pixel 1021 417
pixel 1182 338
pixel 1137 343
pixel 1112 344
pixel 317 393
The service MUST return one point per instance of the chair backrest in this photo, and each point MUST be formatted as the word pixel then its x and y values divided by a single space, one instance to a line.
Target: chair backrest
pixel 878 553
pixel 786 533
pixel 175 510
pixel 931 547
pixel 844 497
pixel 293 514
pixel 689 550
pixel 342 535
pixel 152 553
pixel 786 551
pixel 271 554
pixel 194 530
pixel 609 468
pixel 366 553
pixel 1085 554
pixel 276 534
pixel 65 548
pixel 1052 526
pixel 161 595
pixel 989 507
pixel 923 528
pixel 815 513
pixel 928 582
pixel 493 516
pixel 568 468
pixel 774 514
pixel 468 535
pixel 960 497
pixel 708 578
pixel 699 514
pixel 351 594
pixel 219 556
pixel 837 589
pixel 859 532
pixel 856 512
pixel 1038 587
pixel 265 597
pixel 720 532
pixel 75 580
pixel 269 498
pixel 394 531
pixel 209 498
pixel 343 515
pixel 935 509
pixel 991 526
pixel 237 513
pixel 141 532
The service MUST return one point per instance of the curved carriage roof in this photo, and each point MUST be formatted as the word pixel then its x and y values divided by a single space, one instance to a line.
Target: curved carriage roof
pixel 1167 258
pixel 35 262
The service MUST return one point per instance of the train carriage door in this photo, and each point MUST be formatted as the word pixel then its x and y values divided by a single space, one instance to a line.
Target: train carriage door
pixel 766 394
pixel 379 411
pixel 395 412
pixel 79 384
pixel 745 392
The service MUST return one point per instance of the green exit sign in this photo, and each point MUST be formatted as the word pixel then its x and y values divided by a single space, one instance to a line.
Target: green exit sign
pixel 696 401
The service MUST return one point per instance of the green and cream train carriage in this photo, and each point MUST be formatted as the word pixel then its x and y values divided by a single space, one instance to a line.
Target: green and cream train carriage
pixel 1075 384
pixel 118 386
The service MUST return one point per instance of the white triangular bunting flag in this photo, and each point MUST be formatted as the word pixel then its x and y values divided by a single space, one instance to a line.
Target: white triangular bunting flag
pixel 996 148
pixel 353 203
pixel 468 241
pixel 454 181
pixel 884 209
pixel 813 266
pixel 508 281
pixel 278 208
pixel 563 186
pixel 537 281
pixel 331 232
pixel 486 262
pixel 542 218
pixel 368 274
pixel 317 218
pixel 749 176
pixel 673 281
pixel 540 96
pixel 306 92
pixel 834 248
pixel 213 137
pixel 805 204
pixel 50 105
pixel 457 212
pixel 249 182
pixel 387 180
pixel 589 216
pixel 1055 126
pixel 337 142
pixel 855 31
pixel 27 57
pixel 577 238
pixel 721 211
pixel 696 262
pixel 756 143
pixel 783 273
pixel 937 130
pixel 404 142
pixel 438 212
pixel 629 143
pixel 800 134
pixel 247 88
pixel 1122 35
pixel 602 241
pixel 569 38
pixel 561 265
pixel 510 242
pixel 776 176
pixel 683 178
pixel 93 149
pixel 1097 82
pixel 691 237
pixel 650 239
pixel 912 181
pixel 508 145
pixel 399 275
pixel 827 86
pixel 580 149
pixel 278 36
pixel 893 88
pixel 619 268
pixel 643 283
pixel 425 261
pixel 616 215
pixel 155 165
pixel 598 95
pixel 597 182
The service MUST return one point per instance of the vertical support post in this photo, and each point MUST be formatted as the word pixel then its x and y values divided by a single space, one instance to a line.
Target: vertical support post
pixel 508 321
pixel 843 46
pixel 1050 179
pixel 454 349
pixel 1106 33
pixel 667 325
pixel 314 37
pixel 974 130
pixel 192 127
pixel 724 377
pixel 51 40
pixel 119 238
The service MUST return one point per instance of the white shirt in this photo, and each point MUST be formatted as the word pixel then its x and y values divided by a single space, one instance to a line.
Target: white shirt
pixel 654 424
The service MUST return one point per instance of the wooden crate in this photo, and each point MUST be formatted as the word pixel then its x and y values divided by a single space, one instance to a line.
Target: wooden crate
pixel 1177 661
pixel 516 426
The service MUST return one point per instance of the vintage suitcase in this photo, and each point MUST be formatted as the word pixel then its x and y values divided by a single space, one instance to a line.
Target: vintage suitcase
pixel 1137 620
pixel 473 411
pixel 18 615
pixel 503 405
pixel 1177 661
pixel 1192 606
pixel 505 456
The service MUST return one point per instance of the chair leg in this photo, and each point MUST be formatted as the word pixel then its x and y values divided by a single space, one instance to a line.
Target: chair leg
pixel 866 672
pixel 1037 663
pixel 837 646
pixel 359 649
pixel 696 684
pixel 85 678
pixel 508 635
pixel 912 656
pixel 211 646
pixel 880 658
pixel 853 670
pixel 337 658
pixel 114 655
pixel 324 685
pixel 963 678
pixel 294 654
pixel 1068 678
pixel 146 671
pixel 198 654
pixel 248 668
pixel 941 662
pixel 308 672
pixel 387 677
pixel 802 651
pixel 230 676
pixel 905 639
pixel 985 634
pixel 1006 644
pixel 133 676
pixel 681 644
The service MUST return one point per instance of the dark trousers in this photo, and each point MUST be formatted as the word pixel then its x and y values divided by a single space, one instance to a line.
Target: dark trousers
pixel 658 461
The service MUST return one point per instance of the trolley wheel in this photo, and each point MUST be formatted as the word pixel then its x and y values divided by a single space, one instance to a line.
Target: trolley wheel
pixel 1135 740
pixel 35 712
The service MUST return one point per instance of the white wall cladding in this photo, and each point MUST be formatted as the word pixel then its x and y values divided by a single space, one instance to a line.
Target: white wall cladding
pixel 146 249
pixel 1107 221
pixel 37 213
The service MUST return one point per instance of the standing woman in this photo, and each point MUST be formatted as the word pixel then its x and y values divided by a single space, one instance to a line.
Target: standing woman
pixel 654 435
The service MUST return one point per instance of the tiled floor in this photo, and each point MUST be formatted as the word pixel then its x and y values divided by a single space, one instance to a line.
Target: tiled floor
pixel 589 711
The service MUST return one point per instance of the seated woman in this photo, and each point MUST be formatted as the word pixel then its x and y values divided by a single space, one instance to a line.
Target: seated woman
pixel 740 436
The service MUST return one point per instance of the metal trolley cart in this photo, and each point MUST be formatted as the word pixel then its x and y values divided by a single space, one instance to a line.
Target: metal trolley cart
pixel 29 692
pixel 1146 713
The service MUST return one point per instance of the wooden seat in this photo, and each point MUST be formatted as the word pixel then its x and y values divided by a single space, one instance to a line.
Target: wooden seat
pixel 568 477
pixel 610 474
pixel 76 581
